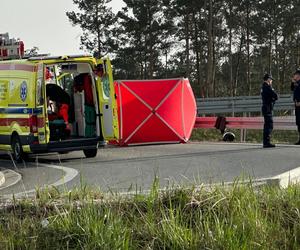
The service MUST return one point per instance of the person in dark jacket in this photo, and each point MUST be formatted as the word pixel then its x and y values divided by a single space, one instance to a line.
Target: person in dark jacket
pixel 269 97
pixel 295 87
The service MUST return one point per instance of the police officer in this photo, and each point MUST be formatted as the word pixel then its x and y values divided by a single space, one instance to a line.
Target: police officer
pixel 295 87
pixel 269 97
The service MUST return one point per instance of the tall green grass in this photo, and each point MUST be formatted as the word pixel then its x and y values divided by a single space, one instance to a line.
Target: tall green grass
pixel 239 217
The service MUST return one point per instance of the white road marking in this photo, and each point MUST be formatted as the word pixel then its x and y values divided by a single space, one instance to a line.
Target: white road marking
pixel 282 180
pixel 69 175
pixel 10 174
pixel 2 178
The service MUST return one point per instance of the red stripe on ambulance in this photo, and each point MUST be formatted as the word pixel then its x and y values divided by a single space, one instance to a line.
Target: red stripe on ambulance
pixel 20 67
pixel 23 122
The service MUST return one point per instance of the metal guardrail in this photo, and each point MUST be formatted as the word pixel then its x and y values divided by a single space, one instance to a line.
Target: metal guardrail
pixel 244 123
pixel 280 122
pixel 240 104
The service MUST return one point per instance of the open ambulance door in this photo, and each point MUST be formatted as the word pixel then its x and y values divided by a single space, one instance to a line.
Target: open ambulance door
pixel 107 101
pixel 40 117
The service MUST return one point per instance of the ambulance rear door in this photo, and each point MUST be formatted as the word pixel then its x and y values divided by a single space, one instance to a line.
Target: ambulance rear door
pixel 107 102
pixel 40 113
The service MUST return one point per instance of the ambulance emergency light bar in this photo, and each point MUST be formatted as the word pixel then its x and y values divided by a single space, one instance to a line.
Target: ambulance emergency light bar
pixel 11 48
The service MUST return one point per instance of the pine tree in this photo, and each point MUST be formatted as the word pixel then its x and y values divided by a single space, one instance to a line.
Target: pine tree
pixel 146 31
pixel 223 47
pixel 96 20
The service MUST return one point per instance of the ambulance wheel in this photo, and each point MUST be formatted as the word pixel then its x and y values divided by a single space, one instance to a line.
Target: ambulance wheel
pixel 17 149
pixel 90 153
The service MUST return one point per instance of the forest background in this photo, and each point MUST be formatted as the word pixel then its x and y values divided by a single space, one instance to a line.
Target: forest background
pixel 223 47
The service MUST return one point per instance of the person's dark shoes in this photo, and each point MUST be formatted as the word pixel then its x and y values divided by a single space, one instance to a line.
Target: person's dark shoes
pixel 269 145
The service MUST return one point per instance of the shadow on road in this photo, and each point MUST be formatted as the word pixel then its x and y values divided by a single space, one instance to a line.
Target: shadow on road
pixel 59 159
pixel 177 156
pixel 7 162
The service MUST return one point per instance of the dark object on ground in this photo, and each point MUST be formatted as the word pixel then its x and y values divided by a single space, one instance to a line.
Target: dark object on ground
pixel 229 137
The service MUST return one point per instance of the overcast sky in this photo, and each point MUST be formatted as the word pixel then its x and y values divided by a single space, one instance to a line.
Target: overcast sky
pixel 43 23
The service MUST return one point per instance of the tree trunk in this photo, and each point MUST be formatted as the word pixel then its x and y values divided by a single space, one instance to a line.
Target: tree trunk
pixel 238 65
pixel 151 57
pixel 167 66
pixel 230 51
pixel 197 51
pixel 270 52
pixel 214 71
pixel 298 51
pixel 284 62
pixel 248 81
pixel 209 82
pixel 277 60
pixel 187 45
pixel 276 31
pixel 98 34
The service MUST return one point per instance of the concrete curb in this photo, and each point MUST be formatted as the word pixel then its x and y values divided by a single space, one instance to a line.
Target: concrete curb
pixel 2 178
pixel 288 178
pixel 283 180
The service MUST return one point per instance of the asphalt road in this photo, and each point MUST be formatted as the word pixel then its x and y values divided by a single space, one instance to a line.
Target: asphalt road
pixel 136 167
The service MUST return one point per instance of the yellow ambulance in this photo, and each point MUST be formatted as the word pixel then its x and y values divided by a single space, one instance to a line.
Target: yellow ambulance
pixel 56 104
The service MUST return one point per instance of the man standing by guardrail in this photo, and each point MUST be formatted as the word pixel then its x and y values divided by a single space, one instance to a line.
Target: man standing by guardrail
pixel 269 97
pixel 296 88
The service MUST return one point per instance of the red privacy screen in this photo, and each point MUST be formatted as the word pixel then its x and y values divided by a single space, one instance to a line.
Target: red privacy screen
pixel 155 111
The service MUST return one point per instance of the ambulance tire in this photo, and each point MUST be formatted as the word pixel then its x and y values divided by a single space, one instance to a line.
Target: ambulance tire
pixel 90 153
pixel 17 149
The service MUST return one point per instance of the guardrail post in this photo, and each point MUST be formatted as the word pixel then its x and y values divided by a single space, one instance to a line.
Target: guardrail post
pixel 244 131
pixel 242 135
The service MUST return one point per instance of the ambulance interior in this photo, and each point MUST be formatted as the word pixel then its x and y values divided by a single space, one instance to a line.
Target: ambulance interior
pixel 72 101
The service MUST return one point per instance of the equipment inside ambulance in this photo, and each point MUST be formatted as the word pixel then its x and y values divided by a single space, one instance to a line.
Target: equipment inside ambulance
pixel 67 106
pixel 75 102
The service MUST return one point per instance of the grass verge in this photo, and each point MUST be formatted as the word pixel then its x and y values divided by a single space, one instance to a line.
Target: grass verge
pixel 221 218
pixel 253 136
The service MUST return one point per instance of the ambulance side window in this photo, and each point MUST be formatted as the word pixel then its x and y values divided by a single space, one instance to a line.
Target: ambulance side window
pixel 105 86
pixel 39 93
pixel 66 82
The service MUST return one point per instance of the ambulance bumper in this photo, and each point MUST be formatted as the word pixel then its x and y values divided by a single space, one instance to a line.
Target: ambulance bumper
pixel 67 145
